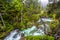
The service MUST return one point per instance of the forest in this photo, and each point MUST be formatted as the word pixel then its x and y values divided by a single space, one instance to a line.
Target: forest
pixel 20 14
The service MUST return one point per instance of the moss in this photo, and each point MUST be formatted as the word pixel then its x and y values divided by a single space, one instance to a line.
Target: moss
pixel 59 39
pixel 39 38
pixel 5 30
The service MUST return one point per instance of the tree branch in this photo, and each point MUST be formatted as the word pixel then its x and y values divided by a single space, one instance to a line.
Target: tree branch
pixel 2 19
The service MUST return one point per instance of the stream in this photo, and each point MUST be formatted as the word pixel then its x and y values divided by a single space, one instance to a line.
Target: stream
pixel 33 31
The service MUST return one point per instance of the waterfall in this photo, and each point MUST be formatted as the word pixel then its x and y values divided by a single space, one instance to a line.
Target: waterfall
pixel 43 3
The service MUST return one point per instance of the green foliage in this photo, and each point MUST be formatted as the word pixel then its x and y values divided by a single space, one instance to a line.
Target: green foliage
pixel 17 14
pixel 54 9
pixel 39 38
pixel 54 12
pixel 16 4
pixel 8 27
pixel 5 30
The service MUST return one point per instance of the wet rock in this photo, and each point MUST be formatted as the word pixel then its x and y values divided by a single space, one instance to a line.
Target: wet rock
pixel 57 35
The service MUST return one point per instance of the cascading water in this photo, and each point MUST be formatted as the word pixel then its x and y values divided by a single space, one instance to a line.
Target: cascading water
pixel 16 34
pixel 33 31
